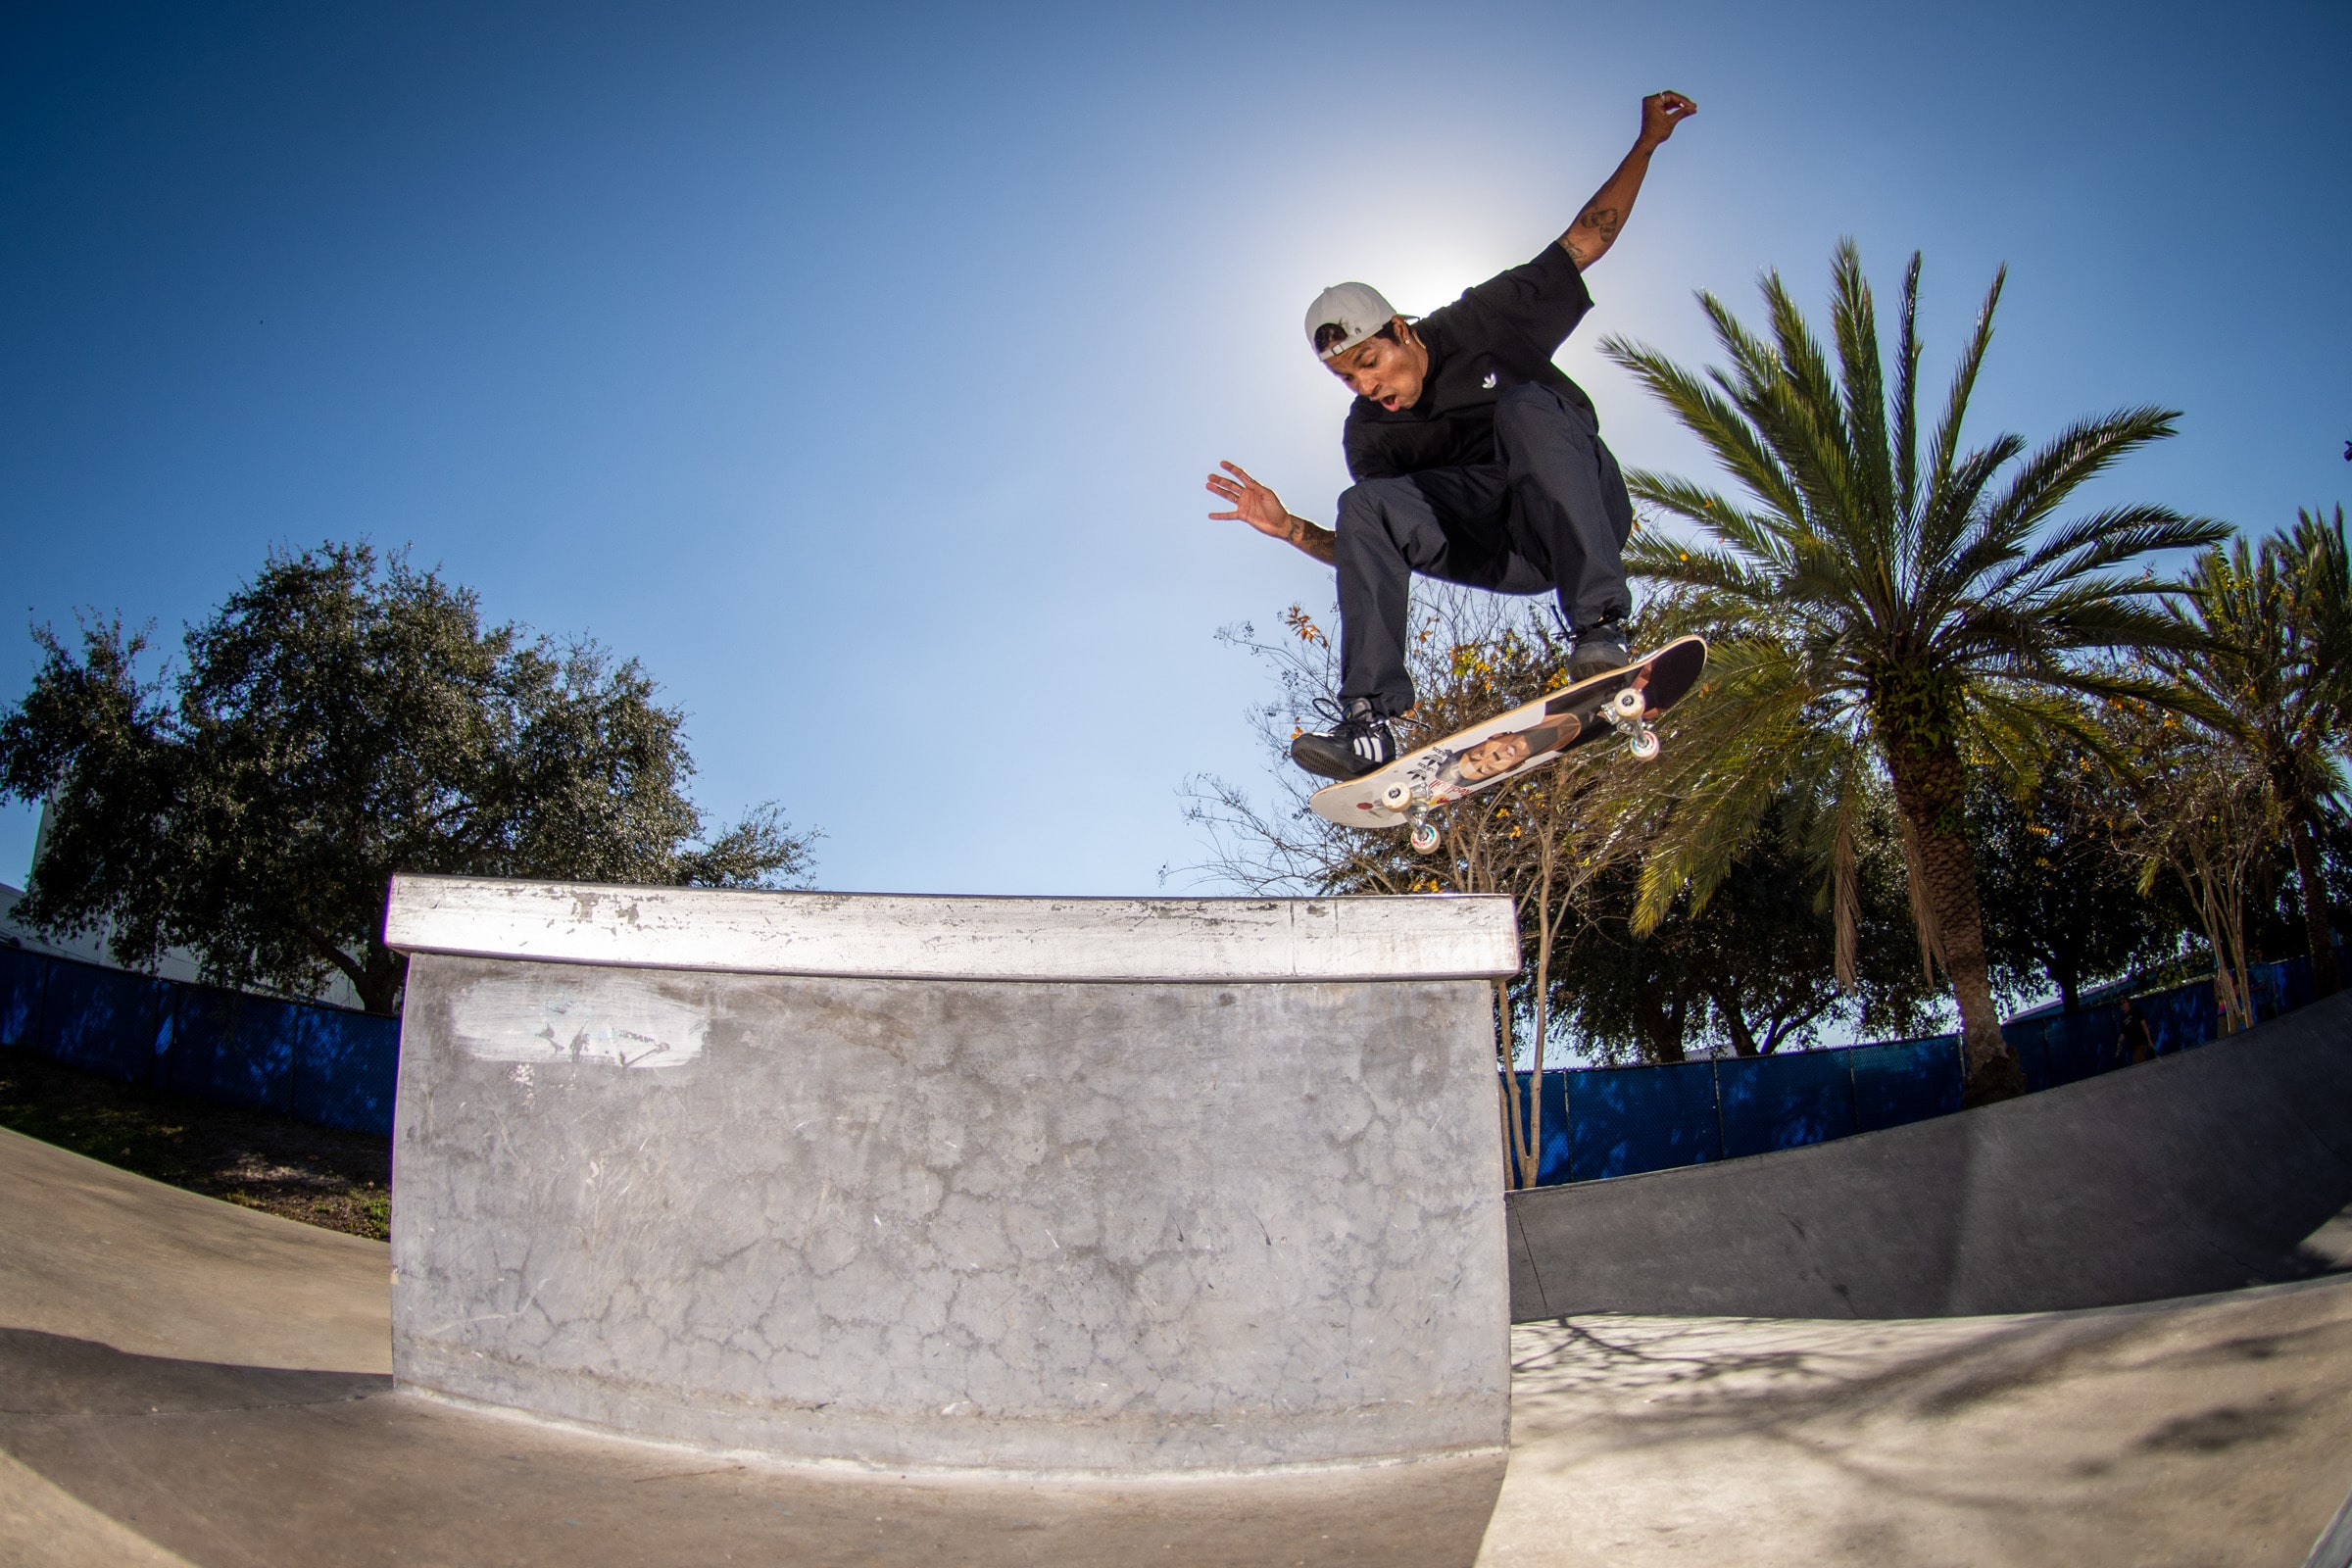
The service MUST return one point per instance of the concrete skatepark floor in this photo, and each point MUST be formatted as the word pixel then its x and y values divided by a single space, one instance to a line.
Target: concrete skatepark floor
pixel 2212 1430
pixel 191 1382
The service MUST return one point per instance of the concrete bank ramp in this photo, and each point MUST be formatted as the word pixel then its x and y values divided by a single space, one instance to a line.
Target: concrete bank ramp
pixel 2220 1167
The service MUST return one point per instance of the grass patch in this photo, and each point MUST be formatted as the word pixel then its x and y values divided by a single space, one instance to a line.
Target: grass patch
pixel 340 1181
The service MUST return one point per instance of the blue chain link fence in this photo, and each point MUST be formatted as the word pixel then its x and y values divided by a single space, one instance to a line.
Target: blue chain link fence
pixel 1618 1121
pixel 327 1066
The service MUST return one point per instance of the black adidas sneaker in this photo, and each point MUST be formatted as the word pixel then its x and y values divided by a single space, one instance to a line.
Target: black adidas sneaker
pixel 1358 741
pixel 1598 650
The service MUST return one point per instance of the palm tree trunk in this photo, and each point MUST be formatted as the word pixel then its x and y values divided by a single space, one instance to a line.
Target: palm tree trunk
pixel 1929 785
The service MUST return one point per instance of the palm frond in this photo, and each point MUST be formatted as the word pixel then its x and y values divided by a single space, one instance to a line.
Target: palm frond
pixel 2077 455
pixel 1802 413
pixel 1906 401
pixel 1706 412
pixel 1760 537
pixel 1951 514
pixel 2100 540
pixel 1695 565
pixel 1854 318
pixel 1947 440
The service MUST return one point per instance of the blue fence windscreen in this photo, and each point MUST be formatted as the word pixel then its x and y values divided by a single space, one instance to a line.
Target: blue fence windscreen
pixel 2083 1045
pixel 1904 1081
pixel 1644 1118
pixel 22 977
pixel 2182 1018
pixel 204 1044
pixel 1780 1102
pixel 345 1067
pixel 327 1066
pixel 1551 1163
pixel 258 1073
pixel 101 1020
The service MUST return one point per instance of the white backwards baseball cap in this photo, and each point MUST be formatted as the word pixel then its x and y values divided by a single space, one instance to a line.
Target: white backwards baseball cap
pixel 1358 310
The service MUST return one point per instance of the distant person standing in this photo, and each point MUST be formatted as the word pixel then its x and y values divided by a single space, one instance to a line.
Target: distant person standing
pixel 2136 1041
pixel 1476 461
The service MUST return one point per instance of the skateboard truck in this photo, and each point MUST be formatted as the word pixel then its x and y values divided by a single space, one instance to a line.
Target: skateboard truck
pixel 1398 797
pixel 1627 714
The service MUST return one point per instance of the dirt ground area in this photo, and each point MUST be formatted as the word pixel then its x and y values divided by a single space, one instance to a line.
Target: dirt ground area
pixel 340 1181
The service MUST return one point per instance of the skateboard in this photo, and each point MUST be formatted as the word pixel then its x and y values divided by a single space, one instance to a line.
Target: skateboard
pixel 1621 702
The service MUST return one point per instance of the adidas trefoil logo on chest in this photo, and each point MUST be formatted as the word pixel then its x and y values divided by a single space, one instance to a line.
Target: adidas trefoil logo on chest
pixel 1487 381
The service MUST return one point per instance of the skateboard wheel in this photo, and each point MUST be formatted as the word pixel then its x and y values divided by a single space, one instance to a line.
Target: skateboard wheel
pixel 1628 704
pixel 1397 797
pixel 1425 837
pixel 1645 747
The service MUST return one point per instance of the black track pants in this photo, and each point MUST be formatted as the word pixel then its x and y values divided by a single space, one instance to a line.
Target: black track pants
pixel 1553 515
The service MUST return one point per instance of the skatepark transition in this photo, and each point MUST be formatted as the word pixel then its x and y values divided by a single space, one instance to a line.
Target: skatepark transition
pixel 2206 1170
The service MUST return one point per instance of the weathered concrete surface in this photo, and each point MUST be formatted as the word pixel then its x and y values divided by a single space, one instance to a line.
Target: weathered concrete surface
pixel 2200 1432
pixel 2225 1167
pixel 1099 1226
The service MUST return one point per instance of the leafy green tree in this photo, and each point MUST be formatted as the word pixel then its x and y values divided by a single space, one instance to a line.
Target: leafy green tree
pixel 1765 965
pixel 340 718
pixel 2270 669
pixel 2200 806
pixel 2061 896
pixel 1773 959
pixel 1630 995
pixel 1883 600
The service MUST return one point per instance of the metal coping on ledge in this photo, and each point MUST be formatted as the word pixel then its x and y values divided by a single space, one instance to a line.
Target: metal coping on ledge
pixel 948 937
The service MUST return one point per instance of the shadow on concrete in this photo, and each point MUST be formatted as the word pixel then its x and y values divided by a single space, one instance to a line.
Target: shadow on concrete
pixel 2162 1435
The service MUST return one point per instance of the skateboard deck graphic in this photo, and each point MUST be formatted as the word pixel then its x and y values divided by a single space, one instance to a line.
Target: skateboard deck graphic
pixel 1621 702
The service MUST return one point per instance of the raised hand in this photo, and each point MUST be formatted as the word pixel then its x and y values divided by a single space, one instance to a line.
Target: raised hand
pixel 1253 503
pixel 1661 112
pixel 1261 509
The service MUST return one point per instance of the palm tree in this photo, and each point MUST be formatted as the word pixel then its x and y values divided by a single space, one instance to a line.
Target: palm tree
pixel 1878 606
pixel 2271 674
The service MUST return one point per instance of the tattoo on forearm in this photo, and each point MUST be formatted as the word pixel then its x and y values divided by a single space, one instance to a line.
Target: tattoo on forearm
pixel 1595 228
pixel 1316 542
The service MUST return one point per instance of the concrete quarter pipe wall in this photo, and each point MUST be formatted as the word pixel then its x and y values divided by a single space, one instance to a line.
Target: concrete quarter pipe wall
pixel 1080 1185
pixel 2220 1167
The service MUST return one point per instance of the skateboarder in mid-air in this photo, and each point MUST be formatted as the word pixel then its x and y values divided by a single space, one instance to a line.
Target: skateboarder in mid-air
pixel 1476 461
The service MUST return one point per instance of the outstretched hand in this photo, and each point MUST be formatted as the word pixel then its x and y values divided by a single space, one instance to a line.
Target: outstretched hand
pixel 1253 503
pixel 1661 112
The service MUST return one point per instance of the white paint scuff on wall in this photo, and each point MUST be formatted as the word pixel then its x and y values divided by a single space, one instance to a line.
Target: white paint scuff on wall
pixel 623 1022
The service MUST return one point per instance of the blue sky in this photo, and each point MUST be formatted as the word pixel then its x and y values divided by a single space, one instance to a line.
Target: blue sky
pixel 855 368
